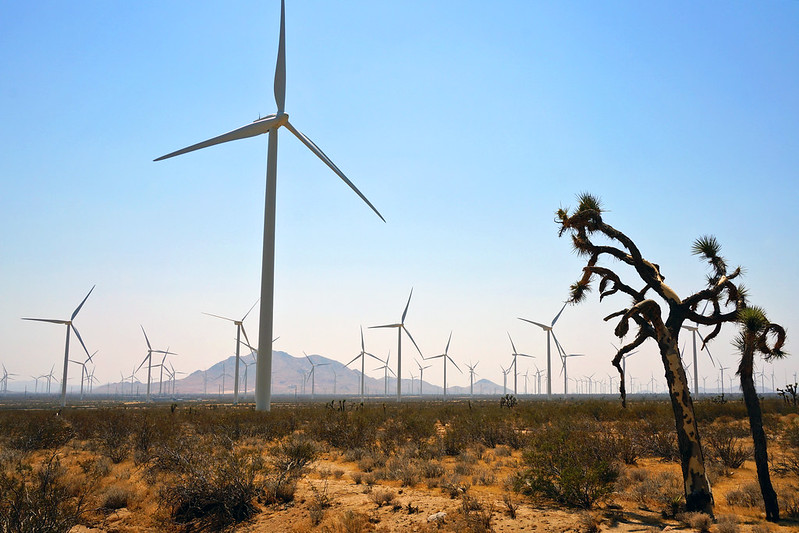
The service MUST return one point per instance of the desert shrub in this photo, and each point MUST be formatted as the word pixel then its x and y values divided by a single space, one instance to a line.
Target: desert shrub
pixel 658 438
pixel 116 497
pixel 344 429
pixel 41 499
pixel 477 516
pixel 431 469
pixel 700 522
pixel 320 502
pixel 289 462
pixel 31 430
pixel 114 435
pixel 788 498
pixel 214 489
pixel 568 465
pixel 404 469
pixel 484 476
pixel 747 495
pixel 463 468
pixel 453 485
pixel 725 444
pixel 727 524
pixel 510 505
pixel 589 523
pixel 371 461
pixel 383 497
pixel 348 522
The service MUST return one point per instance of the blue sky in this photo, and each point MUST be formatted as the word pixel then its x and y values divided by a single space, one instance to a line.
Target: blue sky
pixel 467 124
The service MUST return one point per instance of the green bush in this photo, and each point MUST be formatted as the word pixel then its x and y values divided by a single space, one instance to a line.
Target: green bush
pixel 569 466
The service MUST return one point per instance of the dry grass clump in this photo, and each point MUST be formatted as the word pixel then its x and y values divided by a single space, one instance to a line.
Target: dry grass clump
pixel 747 495
pixel 700 522
pixel 727 444
pixel 116 497
pixel 727 524
pixel 663 491
pixel 383 497
pixel 589 522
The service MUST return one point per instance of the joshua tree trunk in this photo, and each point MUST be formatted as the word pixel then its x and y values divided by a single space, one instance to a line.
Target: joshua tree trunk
pixel 698 495
pixel 758 435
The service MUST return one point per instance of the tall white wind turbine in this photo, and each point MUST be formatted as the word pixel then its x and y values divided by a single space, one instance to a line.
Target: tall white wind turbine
pixel 270 125
pixel 363 355
pixel 149 360
pixel 550 333
pixel 515 354
pixel 70 327
pixel 400 328
pixel 239 330
pixel 386 369
pixel 445 356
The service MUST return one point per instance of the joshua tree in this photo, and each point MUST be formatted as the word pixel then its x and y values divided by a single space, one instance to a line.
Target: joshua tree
pixel 758 335
pixel 722 294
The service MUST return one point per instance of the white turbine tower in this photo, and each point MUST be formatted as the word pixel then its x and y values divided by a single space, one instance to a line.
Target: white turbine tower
pixel 84 372
pixel 70 327
pixel 270 124
pixel 363 355
pixel 515 354
pixel 400 328
pixel 504 379
pixel 550 333
pixel 445 356
pixel 239 330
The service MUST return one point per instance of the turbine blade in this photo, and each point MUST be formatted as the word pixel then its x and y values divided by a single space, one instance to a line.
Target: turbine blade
pixel 363 348
pixel 251 308
pixel 280 68
pixel 218 316
pixel 558 315
pixel 244 331
pixel 704 347
pixel 446 350
pixel 77 309
pixel 50 320
pixel 408 333
pixel 373 356
pixel 454 363
pixel 542 326
pixel 355 359
pixel 145 337
pixel 81 340
pixel 386 326
pixel 258 127
pixel 405 312
pixel 321 155
pixel 511 342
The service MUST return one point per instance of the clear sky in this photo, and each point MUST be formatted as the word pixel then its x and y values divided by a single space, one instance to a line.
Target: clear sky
pixel 466 123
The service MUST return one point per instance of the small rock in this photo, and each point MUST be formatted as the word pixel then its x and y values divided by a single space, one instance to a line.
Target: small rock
pixel 437 517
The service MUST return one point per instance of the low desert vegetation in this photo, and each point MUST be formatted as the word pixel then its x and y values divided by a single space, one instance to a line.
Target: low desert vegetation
pixel 209 468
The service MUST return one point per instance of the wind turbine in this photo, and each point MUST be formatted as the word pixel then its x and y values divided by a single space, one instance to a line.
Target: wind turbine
pixel 694 332
pixel 421 374
pixel 515 368
pixel 471 376
pixel 239 330
pixel 312 374
pixel 504 379
pixel 445 356
pixel 149 360
pixel 49 377
pixel 83 371
pixel 722 368
pixel 538 373
pixel 70 327
pixel 270 124
pixel 400 328
pixel 550 333
pixel 386 369
pixel 363 355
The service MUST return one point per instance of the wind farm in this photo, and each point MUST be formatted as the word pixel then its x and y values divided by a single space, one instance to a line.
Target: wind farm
pixel 667 117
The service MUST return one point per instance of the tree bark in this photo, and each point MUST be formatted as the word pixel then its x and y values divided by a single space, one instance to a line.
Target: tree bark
pixel 758 435
pixel 698 495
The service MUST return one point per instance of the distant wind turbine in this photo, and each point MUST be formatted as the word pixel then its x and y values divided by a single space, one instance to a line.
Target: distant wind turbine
pixel 363 355
pixel 386 369
pixel 504 379
pixel 70 327
pixel 84 372
pixel 471 376
pixel 239 330
pixel 400 328
pixel 421 374
pixel 445 356
pixel 149 360
pixel 270 124
pixel 312 374
pixel 515 367
pixel 694 332
pixel 550 333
